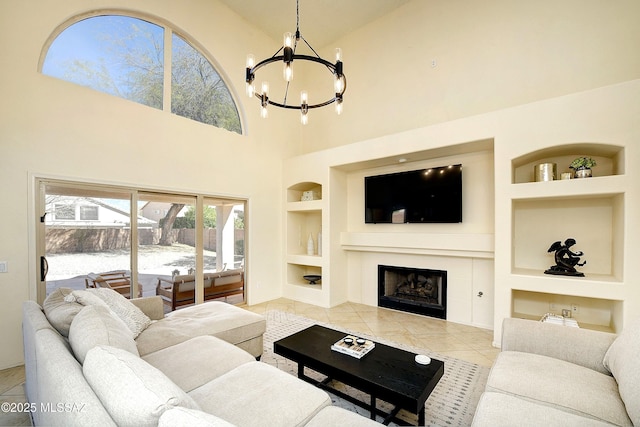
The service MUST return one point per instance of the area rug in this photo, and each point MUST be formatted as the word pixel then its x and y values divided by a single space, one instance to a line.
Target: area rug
pixel 452 402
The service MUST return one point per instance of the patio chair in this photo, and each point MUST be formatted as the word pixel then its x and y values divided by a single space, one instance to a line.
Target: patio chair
pixel 119 281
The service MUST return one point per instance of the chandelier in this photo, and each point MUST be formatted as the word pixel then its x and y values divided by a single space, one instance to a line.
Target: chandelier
pixel 287 55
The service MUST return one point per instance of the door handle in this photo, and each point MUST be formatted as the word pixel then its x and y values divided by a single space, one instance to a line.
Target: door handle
pixel 44 268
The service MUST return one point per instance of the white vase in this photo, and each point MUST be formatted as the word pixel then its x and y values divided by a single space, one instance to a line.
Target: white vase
pixel 310 245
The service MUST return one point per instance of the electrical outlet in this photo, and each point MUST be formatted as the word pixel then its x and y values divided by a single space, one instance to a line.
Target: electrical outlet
pixel 575 308
pixel 566 312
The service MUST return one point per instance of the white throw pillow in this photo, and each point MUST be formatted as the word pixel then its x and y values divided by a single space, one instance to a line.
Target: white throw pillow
pixel 131 315
pixel 85 298
pixel 98 325
pixel 59 312
pixel 622 361
pixel 133 392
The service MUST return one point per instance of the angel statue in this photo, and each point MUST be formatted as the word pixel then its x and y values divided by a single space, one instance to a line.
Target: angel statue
pixel 566 259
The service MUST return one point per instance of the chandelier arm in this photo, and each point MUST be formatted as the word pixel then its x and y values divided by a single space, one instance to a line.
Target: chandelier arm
pixel 268 61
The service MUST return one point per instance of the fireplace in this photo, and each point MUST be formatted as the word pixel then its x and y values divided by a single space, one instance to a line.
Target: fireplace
pixel 414 290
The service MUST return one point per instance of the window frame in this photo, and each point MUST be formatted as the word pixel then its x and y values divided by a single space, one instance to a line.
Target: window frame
pixel 169 30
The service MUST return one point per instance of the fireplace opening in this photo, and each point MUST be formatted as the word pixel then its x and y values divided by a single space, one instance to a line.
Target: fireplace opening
pixel 415 290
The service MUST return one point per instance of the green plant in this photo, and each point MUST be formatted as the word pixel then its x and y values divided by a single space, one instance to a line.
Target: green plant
pixel 583 163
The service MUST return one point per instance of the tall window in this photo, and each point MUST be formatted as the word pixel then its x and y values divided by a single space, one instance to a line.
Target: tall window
pixel 125 56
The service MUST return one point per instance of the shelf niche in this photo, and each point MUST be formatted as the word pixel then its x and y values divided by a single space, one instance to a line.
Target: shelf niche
pixel 295 192
pixel 609 158
pixel 296 273
pixel 592 313
pixel 595 222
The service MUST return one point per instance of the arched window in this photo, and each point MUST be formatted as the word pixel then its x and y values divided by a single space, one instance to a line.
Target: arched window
pixel 125 56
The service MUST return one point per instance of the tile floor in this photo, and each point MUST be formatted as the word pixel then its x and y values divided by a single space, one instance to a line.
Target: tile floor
pixel 451 339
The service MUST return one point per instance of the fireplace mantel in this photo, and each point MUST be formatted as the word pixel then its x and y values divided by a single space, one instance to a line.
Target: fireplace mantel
pixel 453 245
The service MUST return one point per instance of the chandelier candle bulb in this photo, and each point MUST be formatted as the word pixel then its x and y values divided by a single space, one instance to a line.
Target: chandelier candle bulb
pixel 288 57
pixel 264 113
pixel 304 102
pixel 339 106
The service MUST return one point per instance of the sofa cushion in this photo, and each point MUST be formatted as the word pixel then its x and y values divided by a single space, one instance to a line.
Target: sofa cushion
pixel 59 380
pixel 183 417
pixel 197 361
pixel 262 395
pixel 537 378
pixel 504 410
pixel 98 325
pixel 621 360
pixel 225 321
pixel 59 312
pixel 131 315
pixel 134 392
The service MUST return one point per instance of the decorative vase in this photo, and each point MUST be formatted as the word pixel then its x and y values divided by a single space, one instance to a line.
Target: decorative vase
pixel 310 245
pixel 583 173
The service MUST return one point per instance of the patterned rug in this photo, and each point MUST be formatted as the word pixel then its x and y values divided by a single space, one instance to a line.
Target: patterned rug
pixel 452 402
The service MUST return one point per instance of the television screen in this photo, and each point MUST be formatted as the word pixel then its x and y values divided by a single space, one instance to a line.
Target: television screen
pixel 419 196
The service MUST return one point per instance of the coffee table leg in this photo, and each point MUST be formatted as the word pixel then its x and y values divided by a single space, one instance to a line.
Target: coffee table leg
pixel 373 407
pixel 300 370
pixel 421 416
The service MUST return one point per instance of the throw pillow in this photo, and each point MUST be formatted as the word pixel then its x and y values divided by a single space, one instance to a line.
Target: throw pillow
pixel 59 312
pixel 98 325
pixel 85 298
pixel 622 361
pixel 131 315
pixel 133 392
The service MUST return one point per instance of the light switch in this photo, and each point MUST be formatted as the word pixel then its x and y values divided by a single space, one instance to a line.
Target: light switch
pixel 4 266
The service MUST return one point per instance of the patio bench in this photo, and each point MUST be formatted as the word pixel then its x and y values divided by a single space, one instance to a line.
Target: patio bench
pixel 180 290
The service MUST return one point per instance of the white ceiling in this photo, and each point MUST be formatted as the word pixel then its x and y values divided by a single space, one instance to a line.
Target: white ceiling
pixel 321 21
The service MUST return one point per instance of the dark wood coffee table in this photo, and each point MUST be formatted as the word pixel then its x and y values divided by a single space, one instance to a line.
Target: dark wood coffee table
pixel 386 373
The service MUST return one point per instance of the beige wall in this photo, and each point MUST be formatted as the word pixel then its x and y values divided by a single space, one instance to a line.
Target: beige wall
pixel 490 55
pixel 56 129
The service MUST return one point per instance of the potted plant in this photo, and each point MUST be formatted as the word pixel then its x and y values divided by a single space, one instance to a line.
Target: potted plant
pixel 582 166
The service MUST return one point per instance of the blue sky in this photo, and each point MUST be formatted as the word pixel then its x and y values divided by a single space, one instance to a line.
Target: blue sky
pixel 95 41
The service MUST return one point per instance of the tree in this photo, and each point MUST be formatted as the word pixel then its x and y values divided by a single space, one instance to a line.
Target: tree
pixel 126 59
pixel 166 224
pixel 189 218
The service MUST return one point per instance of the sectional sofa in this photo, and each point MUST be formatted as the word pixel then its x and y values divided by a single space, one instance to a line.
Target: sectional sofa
pixel 551 375
pixel 92 357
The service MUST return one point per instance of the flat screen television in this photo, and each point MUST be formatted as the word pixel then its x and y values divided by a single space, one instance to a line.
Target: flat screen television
pixel 432 195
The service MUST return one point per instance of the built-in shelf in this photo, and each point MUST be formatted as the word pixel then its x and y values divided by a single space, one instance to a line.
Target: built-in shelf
pixel 303 221
pixel 609 158
pixel 296 273
pixel 603 314
pixel 589 210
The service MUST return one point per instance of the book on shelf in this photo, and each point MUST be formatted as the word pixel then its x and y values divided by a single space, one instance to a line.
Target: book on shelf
pixel 353 349
pixel 559 320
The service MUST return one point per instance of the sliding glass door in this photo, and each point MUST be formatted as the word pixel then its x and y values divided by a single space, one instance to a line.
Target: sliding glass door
pixel 130 239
